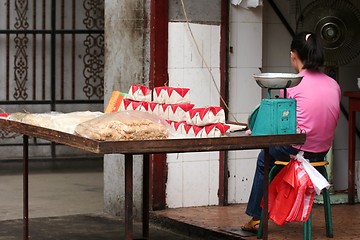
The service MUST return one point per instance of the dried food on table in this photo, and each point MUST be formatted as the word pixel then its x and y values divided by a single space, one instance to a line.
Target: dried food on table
pixel 125 125
pixel 37 119
pixel 64 122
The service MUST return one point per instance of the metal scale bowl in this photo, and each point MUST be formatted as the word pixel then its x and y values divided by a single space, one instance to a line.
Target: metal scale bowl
pixel 278 115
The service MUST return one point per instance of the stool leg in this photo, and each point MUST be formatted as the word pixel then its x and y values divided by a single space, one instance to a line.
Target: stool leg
pixel 327 206
pixel 259 234
pixel 274 170
pixel 328 215
pixel 308 228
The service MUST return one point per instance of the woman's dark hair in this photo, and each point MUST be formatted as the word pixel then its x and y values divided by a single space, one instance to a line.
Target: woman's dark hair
pixel 309 49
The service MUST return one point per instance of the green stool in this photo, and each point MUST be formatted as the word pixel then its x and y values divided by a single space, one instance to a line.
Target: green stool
pixel 320 166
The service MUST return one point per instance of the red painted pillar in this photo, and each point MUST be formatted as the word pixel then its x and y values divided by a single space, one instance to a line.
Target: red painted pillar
pixel 158 77
pixel 224 89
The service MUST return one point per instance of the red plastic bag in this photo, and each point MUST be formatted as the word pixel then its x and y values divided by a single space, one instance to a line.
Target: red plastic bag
pixel 305 196
pixel 291 194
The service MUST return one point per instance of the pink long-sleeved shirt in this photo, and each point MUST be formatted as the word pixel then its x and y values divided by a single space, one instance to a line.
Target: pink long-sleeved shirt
pixel 317 109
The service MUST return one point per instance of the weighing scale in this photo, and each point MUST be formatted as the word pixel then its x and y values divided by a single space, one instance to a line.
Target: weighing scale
pixel 278 115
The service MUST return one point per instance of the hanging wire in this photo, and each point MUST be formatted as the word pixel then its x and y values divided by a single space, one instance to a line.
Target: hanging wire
pixel 206 65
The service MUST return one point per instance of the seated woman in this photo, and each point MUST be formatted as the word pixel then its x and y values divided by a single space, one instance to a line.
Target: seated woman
pixel 318 107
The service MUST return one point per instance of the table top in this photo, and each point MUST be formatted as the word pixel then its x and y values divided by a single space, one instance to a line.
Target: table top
pixel 235 141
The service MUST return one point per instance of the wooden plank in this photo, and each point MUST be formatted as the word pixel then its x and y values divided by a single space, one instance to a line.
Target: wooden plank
pixel 236 141
pixel 233 142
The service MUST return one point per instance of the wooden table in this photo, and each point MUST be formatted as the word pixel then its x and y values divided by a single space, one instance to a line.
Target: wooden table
pixel 238 141
pixel 354 106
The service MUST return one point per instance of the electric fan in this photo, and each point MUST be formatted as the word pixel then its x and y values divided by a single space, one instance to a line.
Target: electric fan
pixel 337 23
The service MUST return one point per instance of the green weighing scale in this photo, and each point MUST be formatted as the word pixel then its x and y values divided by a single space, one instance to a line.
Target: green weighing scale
pixel 278 115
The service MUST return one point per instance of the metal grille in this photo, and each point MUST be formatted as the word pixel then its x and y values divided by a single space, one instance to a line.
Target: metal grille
pixel 51 55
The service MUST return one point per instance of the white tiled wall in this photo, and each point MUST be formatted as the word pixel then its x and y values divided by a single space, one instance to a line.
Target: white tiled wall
pixel 241 166
pixel 187 68
pixel 193 177
pixel 246 36
pixel 245 60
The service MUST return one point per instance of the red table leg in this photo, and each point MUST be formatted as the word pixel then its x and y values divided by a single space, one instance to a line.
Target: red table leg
pixel 128 196
pixel 351 156
pixel 266 194
pixel 145 203
pixel 25 187
pixel 354 106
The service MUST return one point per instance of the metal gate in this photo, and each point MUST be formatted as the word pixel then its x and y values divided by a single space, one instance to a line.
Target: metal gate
pixel 51 59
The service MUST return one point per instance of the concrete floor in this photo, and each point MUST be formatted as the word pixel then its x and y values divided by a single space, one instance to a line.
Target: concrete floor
pixel 70 206
pixel 52 194
pixel 64 206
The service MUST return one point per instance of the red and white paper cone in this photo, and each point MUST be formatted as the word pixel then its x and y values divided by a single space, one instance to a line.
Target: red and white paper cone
pixel 196 131
pixel 177 112
pixel 171 95
pixel 144 107
pixel 198 117
pixel 187 130
pixel 210 131
pixel 159 94
pixel 128 104
pixel 216 114
pixel 153 108
pixel 177 95
pixel 139 93
pixel 205 116
pixel 179 127
pixel 163 111
pixel 216 130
